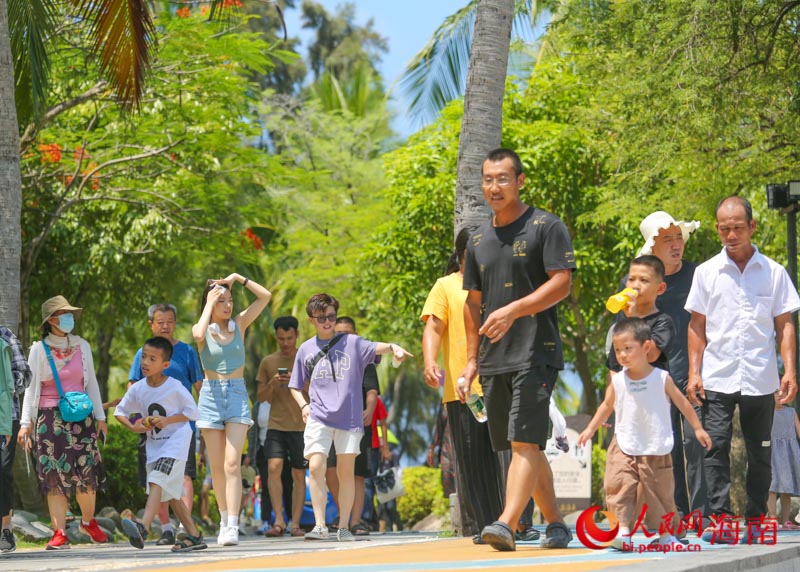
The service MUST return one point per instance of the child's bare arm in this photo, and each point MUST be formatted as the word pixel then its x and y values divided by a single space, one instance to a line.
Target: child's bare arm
pixel 602 414
pixel 687 410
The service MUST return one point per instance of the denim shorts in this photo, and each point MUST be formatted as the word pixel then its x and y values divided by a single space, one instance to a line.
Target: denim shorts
pixel 223 401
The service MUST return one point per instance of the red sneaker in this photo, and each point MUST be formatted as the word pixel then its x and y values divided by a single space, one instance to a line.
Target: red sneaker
pixel 58 542
pixel 93 531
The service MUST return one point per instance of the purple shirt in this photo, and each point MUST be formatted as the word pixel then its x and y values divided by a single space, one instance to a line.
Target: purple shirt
pixel 338 403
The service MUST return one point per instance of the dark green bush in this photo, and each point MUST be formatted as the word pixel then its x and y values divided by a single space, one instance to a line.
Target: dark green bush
pixel 119 459
pixel 424 495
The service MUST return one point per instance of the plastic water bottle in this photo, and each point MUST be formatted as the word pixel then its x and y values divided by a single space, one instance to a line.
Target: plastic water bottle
pixel 474 402
pixel 618 301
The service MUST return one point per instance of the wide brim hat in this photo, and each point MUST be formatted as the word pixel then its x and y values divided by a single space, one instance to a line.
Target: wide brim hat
pixel 55 304
pixel 654 222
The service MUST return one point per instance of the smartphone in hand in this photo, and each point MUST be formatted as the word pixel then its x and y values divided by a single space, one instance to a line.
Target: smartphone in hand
pixel 101 436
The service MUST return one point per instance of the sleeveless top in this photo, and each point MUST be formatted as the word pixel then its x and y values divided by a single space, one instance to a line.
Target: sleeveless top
pixel 223 359
pixel 642 407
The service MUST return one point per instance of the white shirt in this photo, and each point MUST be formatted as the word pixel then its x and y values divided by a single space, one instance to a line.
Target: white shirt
pixel 169 398
pixel 740 310
pixel 643 425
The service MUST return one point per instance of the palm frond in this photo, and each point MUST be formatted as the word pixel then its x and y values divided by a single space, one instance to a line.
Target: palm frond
pixel 124 37
pixel 438 73
pixel 31 23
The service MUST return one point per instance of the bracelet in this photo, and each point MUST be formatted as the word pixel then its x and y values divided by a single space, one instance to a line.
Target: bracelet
pixel 246 280
pixel 304 405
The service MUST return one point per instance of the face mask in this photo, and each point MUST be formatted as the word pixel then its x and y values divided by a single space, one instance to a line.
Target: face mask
pixel 66 322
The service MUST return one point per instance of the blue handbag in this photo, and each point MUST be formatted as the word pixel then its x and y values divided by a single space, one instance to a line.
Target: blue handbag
pixel 73 405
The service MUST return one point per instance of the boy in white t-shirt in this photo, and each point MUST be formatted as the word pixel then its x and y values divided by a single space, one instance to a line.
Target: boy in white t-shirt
pixel 640 452
pixel 165 408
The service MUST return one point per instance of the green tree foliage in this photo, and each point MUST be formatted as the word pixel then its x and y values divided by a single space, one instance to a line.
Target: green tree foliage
pixel 424 495
pixel 120 211
pixel 692 100
pixel 341 45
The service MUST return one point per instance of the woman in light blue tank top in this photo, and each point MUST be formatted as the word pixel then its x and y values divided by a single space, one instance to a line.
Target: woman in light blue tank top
pixel 224 408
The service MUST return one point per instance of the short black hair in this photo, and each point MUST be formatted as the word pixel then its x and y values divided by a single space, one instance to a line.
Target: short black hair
pixel 318 303
pixel 346 320
pixel 652 262
pixel 160 343
pixel 636 327
pixel 743 202
pixel 502 153
pixel 286 323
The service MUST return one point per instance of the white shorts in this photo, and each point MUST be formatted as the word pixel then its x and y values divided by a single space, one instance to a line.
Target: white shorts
pixel 318 438
pixel 167 473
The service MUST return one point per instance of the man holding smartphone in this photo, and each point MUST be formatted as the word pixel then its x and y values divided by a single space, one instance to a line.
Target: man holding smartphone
pixel 284 441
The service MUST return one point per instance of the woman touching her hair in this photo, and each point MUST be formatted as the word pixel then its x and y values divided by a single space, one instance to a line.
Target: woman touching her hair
pixel 224 409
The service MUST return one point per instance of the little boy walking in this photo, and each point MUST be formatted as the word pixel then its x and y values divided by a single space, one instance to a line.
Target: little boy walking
pixel 331 366
pixel 165 408
pixel 640 452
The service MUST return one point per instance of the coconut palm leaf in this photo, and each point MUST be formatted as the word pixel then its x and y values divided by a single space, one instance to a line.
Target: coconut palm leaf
pixel 437 74
pixel 31 24
pixel 124 38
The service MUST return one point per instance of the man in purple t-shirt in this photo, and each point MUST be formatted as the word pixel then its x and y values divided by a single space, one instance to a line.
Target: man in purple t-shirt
pixel 331 366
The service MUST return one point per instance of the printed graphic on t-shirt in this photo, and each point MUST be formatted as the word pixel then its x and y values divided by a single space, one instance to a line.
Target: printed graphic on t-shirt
pixel 164 465
pixel 341 364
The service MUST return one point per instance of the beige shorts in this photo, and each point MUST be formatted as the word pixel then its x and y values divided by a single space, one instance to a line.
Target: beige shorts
pixel 318 438
pixel 167 473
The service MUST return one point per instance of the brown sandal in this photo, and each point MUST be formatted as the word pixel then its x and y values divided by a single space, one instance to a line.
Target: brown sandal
pixel 276 531
pixel 296 531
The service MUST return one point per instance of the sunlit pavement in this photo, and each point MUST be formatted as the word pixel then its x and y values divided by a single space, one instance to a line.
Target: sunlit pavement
pixel 402 552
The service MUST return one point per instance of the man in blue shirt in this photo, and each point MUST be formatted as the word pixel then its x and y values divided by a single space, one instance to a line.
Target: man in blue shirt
pixel 185 367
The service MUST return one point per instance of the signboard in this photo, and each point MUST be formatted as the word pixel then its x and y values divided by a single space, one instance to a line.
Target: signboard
pixel 572 471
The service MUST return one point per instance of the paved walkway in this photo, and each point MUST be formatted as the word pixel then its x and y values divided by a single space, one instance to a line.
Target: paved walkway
pixel 401 553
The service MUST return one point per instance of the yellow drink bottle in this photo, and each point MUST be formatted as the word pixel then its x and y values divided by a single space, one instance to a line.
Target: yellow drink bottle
pixel 619 300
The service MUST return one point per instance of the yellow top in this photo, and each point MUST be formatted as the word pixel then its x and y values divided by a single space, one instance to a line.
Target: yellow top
pixel 446 301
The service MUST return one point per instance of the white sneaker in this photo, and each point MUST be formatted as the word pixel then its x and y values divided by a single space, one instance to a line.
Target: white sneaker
pixel 231 536
pixel 223 534
pixel 344 535
pixel 319 532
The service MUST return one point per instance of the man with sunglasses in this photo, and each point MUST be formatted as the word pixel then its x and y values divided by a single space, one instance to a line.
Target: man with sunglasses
pixel 518 267
pixel 331 366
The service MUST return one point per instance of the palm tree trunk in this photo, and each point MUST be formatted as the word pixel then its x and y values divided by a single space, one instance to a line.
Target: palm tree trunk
pixel 10 183
pixel 482 123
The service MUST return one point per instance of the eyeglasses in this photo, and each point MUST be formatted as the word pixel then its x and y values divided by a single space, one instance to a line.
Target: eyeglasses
pixel 323 319
pixel 501 181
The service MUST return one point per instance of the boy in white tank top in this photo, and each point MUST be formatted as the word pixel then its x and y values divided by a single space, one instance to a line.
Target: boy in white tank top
pixel 640 452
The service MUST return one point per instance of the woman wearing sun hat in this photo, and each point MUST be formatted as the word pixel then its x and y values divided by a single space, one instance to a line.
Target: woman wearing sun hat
pixel 67 457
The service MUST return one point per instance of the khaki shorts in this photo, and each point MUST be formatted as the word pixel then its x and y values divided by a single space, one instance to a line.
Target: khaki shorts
pixel 318 439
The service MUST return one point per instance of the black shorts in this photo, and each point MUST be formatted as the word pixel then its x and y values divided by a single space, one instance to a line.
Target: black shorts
pixel 361 468
pixel 191 460
pixel 286 445
pixel 518 406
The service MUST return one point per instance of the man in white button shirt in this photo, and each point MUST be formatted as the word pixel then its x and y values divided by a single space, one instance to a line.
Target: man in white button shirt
pixel 741 304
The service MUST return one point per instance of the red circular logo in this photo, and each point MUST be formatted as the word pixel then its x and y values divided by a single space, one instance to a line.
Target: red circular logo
pixel 591 536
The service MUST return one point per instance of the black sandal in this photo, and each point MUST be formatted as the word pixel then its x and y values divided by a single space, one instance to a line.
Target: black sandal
pixel 189 543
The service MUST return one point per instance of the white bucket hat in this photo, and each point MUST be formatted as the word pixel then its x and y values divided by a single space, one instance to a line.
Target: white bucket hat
pixel 654 222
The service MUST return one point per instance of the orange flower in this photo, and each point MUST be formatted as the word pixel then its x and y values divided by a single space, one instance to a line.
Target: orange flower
pixel 51 152
pixel 183 12
pixel 203 10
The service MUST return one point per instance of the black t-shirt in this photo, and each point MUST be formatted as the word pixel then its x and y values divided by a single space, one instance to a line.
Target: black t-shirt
pixel 506 264
pixel 671 302
pixel 663 332
pixel 370 382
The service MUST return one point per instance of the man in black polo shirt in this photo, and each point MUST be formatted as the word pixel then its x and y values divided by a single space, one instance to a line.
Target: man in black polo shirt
pixel 518 267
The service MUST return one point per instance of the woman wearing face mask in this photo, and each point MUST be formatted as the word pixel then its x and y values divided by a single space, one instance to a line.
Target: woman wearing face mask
pixel 224 408
pixel 67 457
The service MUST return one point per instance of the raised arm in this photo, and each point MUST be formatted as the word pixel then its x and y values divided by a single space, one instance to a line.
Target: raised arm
pixel 545 296
pixel 263 296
